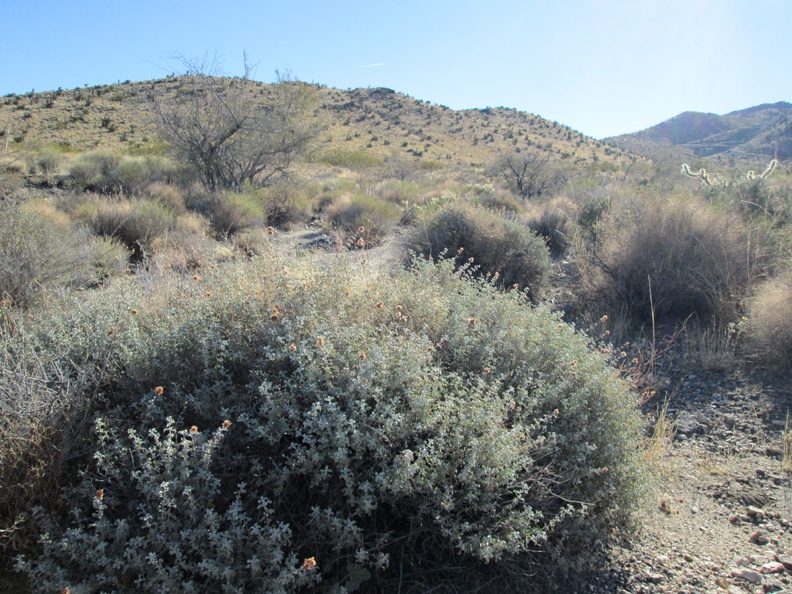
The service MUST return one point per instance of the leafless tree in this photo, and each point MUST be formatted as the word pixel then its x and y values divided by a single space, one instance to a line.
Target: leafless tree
pixel 230 135
pixel 527 174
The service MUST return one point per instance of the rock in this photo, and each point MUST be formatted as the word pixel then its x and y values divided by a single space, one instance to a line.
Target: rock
pixel 664 560
pixel 686 423
pixel 749 575
pixel 759 538
pixel 773 585
pixel 755 512
pixel 737 518
pixel 772 567
pixel 785 561
pixel 655 578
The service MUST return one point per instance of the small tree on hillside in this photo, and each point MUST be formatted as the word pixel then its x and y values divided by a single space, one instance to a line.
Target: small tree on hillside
pixel 230 136
pixel 527 174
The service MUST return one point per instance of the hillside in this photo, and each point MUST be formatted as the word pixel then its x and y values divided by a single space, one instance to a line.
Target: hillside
pixel 763 131
pixel 378 120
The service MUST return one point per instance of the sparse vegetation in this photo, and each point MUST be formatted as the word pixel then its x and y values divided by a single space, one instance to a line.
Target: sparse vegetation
pixel 192 400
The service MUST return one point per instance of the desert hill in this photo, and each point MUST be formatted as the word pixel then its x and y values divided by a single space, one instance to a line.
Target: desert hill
pixel 378 121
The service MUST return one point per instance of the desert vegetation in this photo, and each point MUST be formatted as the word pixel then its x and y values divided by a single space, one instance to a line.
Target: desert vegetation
pixel 191 403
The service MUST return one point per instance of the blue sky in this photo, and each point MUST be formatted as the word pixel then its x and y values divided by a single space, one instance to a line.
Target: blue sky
pixel 603 67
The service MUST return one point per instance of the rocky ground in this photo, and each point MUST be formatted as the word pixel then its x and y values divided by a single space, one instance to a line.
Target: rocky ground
pixel 719 518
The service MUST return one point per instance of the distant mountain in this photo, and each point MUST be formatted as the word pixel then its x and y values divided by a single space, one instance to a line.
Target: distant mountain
pixel 763 131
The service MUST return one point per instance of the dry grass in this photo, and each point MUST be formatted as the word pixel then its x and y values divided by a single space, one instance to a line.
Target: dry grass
pixel 671 258
pixel 769 323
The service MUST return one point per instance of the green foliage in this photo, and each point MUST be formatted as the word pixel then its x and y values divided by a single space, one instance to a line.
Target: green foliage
pixel 398 430
pixel 496 246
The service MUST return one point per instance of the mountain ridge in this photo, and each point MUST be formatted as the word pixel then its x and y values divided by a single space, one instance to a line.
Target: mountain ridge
pixel 763 130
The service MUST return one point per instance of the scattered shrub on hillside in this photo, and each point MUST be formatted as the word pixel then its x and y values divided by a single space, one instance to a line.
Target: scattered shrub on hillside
pixel 769 323
pixel 262 427
pixel 672 259
pixel 495 246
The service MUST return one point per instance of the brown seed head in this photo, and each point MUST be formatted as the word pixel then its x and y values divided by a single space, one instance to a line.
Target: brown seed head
pixel 159 390
pixel 194 429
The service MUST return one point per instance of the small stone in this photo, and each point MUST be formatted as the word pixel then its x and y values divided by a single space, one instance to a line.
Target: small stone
pixel 663 560
pixel 688 557
pixel 785 561
pixel 737 518
pixel 755 512
pixel 686 423
pixel 773 585
pixel 772 567
pixel 655 578
pixel 749 575
pixel 759 538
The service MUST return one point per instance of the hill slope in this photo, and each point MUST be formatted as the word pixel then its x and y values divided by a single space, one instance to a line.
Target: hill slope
pixel 762 131
pixel 378 120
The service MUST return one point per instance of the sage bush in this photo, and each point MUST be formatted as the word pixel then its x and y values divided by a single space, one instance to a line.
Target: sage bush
pixel 275 425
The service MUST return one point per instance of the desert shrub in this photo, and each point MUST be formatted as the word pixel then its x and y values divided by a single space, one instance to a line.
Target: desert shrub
pixel 591 212
pixel 106 172
pixel 266 426
pixel 494 245
pixel 552 223
pixel 45 163
pixel 376 216
pixel 768 328
pixel 96 171
pixel 135 223
pixel 10 179
pixel 168 195
pixel 493 199
pixel 284 206
pixel 672 258
pixel 351 159
pixel 230 212
pixel 41 254
pixel 399 192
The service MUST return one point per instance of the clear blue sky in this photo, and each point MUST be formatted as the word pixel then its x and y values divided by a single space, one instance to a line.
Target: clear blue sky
pixel 603 67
